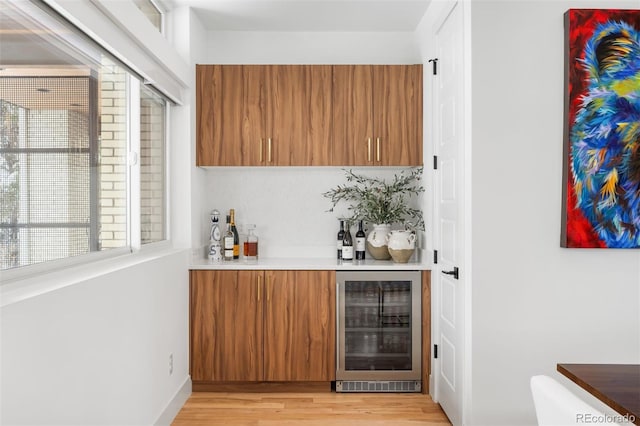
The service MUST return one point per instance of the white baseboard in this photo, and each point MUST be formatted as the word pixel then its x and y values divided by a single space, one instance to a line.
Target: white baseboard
pixel 173 407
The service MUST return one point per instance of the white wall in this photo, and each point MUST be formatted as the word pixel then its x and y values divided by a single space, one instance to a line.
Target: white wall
pixel 534 304
pixel 256 47
pixel 97 352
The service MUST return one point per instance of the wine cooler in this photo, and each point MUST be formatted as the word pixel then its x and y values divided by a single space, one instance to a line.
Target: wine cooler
pixel 379 331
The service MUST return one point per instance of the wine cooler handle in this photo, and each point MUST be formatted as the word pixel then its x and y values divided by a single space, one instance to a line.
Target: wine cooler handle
pixel 339 331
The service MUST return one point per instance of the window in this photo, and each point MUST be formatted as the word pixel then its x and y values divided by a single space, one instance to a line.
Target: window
pixel 152 12
pixel 66 120
pixel 152 166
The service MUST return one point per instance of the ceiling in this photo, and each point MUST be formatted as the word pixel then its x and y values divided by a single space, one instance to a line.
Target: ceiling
pixel 308 15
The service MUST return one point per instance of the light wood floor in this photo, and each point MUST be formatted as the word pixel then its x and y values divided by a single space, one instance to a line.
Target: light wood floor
pixel 310 409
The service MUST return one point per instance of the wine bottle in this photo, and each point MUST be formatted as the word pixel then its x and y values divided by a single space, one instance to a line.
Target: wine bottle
pixel 236 236
pixel 347 245
pixel 228 241
pixel 360 239
pixel 340 238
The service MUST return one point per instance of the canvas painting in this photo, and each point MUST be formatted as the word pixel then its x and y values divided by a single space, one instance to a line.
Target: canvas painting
pixel 601 203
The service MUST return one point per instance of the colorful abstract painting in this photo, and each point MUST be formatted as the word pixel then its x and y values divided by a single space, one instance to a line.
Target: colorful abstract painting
pixel 601 203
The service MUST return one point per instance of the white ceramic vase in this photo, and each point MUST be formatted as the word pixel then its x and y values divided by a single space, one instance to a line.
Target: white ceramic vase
pixel 377 242
pixel 401 245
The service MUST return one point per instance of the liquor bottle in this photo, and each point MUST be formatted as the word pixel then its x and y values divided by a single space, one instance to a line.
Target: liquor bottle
pixel 360 239
pixel 215 237
pixel 228 241
pixel 347 245
pixel 236 236
pixel 340 238
pixel 251 244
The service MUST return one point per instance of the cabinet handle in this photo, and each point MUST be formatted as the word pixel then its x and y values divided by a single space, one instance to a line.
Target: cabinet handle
pixel 369 150
pixel 258 285
pixel 260 150
pixel 378 150
pixel 269 150
pixel 268 290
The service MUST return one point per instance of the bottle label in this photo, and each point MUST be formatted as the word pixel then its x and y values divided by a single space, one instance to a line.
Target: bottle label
pixel 228 247
pixel 347 252
pixel 360 243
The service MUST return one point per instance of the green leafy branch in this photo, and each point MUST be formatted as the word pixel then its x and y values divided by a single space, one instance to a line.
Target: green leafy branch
pixel 377 201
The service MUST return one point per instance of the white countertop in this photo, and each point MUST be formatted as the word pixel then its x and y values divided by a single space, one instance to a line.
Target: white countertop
pixel 310 264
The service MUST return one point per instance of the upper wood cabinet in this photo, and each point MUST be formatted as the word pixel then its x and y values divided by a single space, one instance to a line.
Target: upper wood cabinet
pixel 377 112
pixel 249 326
pixel 309 115
pixel 273 115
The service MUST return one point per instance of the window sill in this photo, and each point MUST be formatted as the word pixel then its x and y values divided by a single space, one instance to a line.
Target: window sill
pixel 33 285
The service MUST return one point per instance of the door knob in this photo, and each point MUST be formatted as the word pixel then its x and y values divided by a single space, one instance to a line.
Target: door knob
pixel 453 273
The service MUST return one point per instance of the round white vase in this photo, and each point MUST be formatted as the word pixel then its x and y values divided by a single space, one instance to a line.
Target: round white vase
pixel 401 245
pixel 377 242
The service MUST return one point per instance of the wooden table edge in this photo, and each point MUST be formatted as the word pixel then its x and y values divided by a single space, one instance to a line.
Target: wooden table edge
pixel 595 392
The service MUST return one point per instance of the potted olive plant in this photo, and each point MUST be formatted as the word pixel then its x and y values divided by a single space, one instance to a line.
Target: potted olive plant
pixel 381 203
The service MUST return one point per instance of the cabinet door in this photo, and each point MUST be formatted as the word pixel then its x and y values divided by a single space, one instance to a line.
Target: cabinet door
pixel 253 108
pixel 298 113
pixel 397 106
pixel 201 325
pixel 352 139
pixel 230 115
pixel 218 107
pixel 226 326
pixel 299 333
pixel 308 120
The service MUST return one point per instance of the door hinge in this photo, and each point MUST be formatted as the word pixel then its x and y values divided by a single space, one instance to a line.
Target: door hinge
pixel 435 351
pixel 434 61
pixel 435 257
pixel 435 162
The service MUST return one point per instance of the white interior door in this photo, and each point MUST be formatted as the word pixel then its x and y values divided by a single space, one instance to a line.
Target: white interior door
pixel 448 276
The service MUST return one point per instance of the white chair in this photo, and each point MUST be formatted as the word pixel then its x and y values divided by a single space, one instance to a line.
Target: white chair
pixel 557 406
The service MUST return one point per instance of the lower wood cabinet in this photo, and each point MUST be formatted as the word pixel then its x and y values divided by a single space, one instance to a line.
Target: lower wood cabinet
pixel 255 326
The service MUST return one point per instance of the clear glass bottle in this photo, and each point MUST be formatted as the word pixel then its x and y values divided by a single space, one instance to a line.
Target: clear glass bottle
pixel 251 244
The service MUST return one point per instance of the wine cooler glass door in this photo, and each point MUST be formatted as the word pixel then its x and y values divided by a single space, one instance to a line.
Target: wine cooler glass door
pixel 379 326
